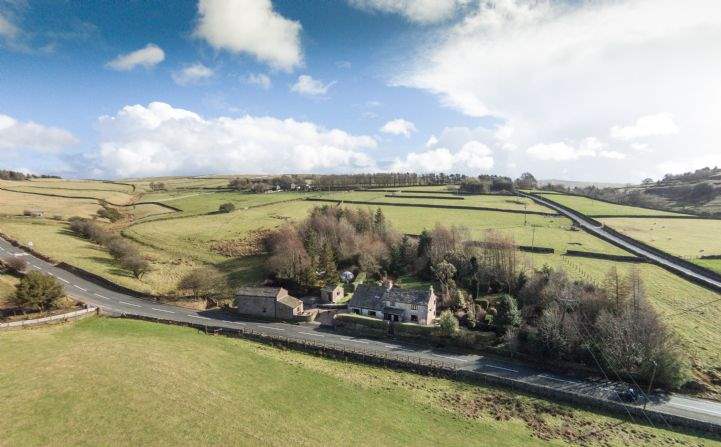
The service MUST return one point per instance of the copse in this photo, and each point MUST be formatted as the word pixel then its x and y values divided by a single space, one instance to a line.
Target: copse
pixel 226 208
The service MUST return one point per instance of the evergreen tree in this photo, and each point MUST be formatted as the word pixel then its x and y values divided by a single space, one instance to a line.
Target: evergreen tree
pixel 327 264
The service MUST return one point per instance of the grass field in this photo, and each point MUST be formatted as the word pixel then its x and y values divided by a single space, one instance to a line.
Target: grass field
pixel 488 201
pixel 14 203
pixel 203 202
pixel 682 237
pixel 7 288
pixel 111 382
pixel 593 207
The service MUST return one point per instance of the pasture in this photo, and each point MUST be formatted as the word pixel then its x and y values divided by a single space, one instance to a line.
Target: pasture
pixel 150 384
pixel 592 207
pixel 487 201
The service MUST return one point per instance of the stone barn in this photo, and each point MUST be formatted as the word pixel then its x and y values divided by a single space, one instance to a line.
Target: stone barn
pixel 267 302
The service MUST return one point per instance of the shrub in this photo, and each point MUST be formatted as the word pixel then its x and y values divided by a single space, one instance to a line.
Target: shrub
pixel 226 208
pixel 507 315
pixel 447 324
pixel 16 265
pixel 112 214
pixel 136 264
pixel 120 248
pixel 202 282
pixel 38 291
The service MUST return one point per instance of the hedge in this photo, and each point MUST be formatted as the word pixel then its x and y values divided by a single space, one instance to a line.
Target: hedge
pixel 361 320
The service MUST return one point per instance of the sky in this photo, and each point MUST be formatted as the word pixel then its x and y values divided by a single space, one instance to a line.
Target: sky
pixel 600 90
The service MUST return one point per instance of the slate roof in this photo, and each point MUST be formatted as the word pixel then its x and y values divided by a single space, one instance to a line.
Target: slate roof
pixel 331 287
pixel 290 301
pixel 371 296
pixel 265 292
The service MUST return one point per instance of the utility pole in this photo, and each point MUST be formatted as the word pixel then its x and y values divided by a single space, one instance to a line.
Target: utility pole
pixel 650 384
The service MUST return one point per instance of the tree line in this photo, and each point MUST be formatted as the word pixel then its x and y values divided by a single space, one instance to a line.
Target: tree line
pixel 18 176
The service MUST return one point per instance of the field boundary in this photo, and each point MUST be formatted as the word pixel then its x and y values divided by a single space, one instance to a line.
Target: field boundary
pixel 441 368
pixel 54 319
pixel 429 205
pixel 605 256
pixel 401 196
pixel 648 216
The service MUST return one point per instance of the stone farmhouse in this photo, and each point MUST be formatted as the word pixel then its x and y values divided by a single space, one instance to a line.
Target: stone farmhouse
pixel 394 304
pixel 267 302
pixel 332 293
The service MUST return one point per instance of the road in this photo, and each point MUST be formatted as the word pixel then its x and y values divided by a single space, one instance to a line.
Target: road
pixel 586 224
pixel 114 302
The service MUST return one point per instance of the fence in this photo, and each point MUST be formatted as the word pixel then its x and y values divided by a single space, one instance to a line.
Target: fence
pixel 55 319
pixel 428 205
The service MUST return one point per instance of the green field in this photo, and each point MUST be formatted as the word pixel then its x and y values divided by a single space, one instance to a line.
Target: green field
pixel 487 201
pixel 122 382
pixel 203 202
pixel 593 207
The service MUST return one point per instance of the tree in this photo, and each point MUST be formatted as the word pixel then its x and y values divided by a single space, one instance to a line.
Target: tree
pixel 507 314
pixel 616 287
pixel 226 208
pixel 445 271
pixel 38 291
pixel 136 264
pixel 112 214
pixel 448 324
pixel 526 181
pixel 202 282
pixel 327 264
pixel 16 265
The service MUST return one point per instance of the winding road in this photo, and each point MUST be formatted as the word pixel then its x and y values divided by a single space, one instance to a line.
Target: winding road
pixel 117 303
pixel 636 249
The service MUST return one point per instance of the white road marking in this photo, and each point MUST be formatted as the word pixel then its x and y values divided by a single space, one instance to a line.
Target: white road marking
pixel 271 327
pixel 63 280
pixel 310 333
pixel 357 341
pixel 163 310
pixel 502 368
pixel 391 346
pixel 78 287
pixel 101 296
pixel 36 267
pixel 198 316
pixel 557 379
pixel 237 322
pixel 130 304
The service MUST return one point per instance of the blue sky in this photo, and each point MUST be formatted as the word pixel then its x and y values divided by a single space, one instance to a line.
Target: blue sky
pixel 141 88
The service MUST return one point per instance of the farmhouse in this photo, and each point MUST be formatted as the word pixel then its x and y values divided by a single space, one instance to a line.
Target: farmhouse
pixel 268 302
pixel 393 304
pixel 331 294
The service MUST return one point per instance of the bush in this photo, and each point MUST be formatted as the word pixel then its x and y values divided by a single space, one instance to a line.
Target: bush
pixel 447 324
pixel 226 208
pixel 507 315
pixel 120 248
pixel 16 265
pixel 38 291
pixel 112 214
pixel 136 264
pixel 202 282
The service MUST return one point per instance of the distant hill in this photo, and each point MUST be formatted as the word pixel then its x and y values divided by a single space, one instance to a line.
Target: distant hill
pixel 581 184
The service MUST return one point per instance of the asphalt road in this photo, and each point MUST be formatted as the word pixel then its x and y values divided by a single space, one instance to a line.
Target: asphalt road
pixel 583 221
pixel 114 302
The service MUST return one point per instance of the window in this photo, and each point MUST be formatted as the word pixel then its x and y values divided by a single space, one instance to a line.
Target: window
pixel 414 318
pixel 414 306
pixel 356 311
pixel 372 313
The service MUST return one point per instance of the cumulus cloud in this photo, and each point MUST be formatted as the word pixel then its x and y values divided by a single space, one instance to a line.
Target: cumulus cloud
pixel 159 139
pixel 252 27
pixel 306 85
pixel 259 79
pixel 474 157
pixel 147 57
pixel 564 151
pixel 419 11
pixel 192 74
pixel 563 70
pixel 16 135
pixel 399 126
pixel 646 126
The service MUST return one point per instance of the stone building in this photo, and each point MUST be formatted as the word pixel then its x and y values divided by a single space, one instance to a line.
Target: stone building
pixel 268 302
pixel 394 304
pixel 331 294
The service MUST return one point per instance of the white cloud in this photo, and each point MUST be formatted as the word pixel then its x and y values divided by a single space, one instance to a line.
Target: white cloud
pixel 641 147
pixel 192 74
pixel 553 151
pixel 162 140
pixel 147 57
pixel 474 157
pixel 306 85
pixel 252 27
pixel 563 70
pixel 17 135
pixel 420 11
pixel 346 65
pixel 258 79
pixel 7 28
pixel 399 126
pixel 432 141
pixel 615 155
pixel 646 126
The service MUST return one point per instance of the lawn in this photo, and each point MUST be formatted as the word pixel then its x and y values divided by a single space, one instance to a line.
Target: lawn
pixel 488 201
pixel 121 382
pixel 593 207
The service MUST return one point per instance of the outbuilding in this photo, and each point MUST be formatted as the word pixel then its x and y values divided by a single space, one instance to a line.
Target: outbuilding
pixel 267 302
